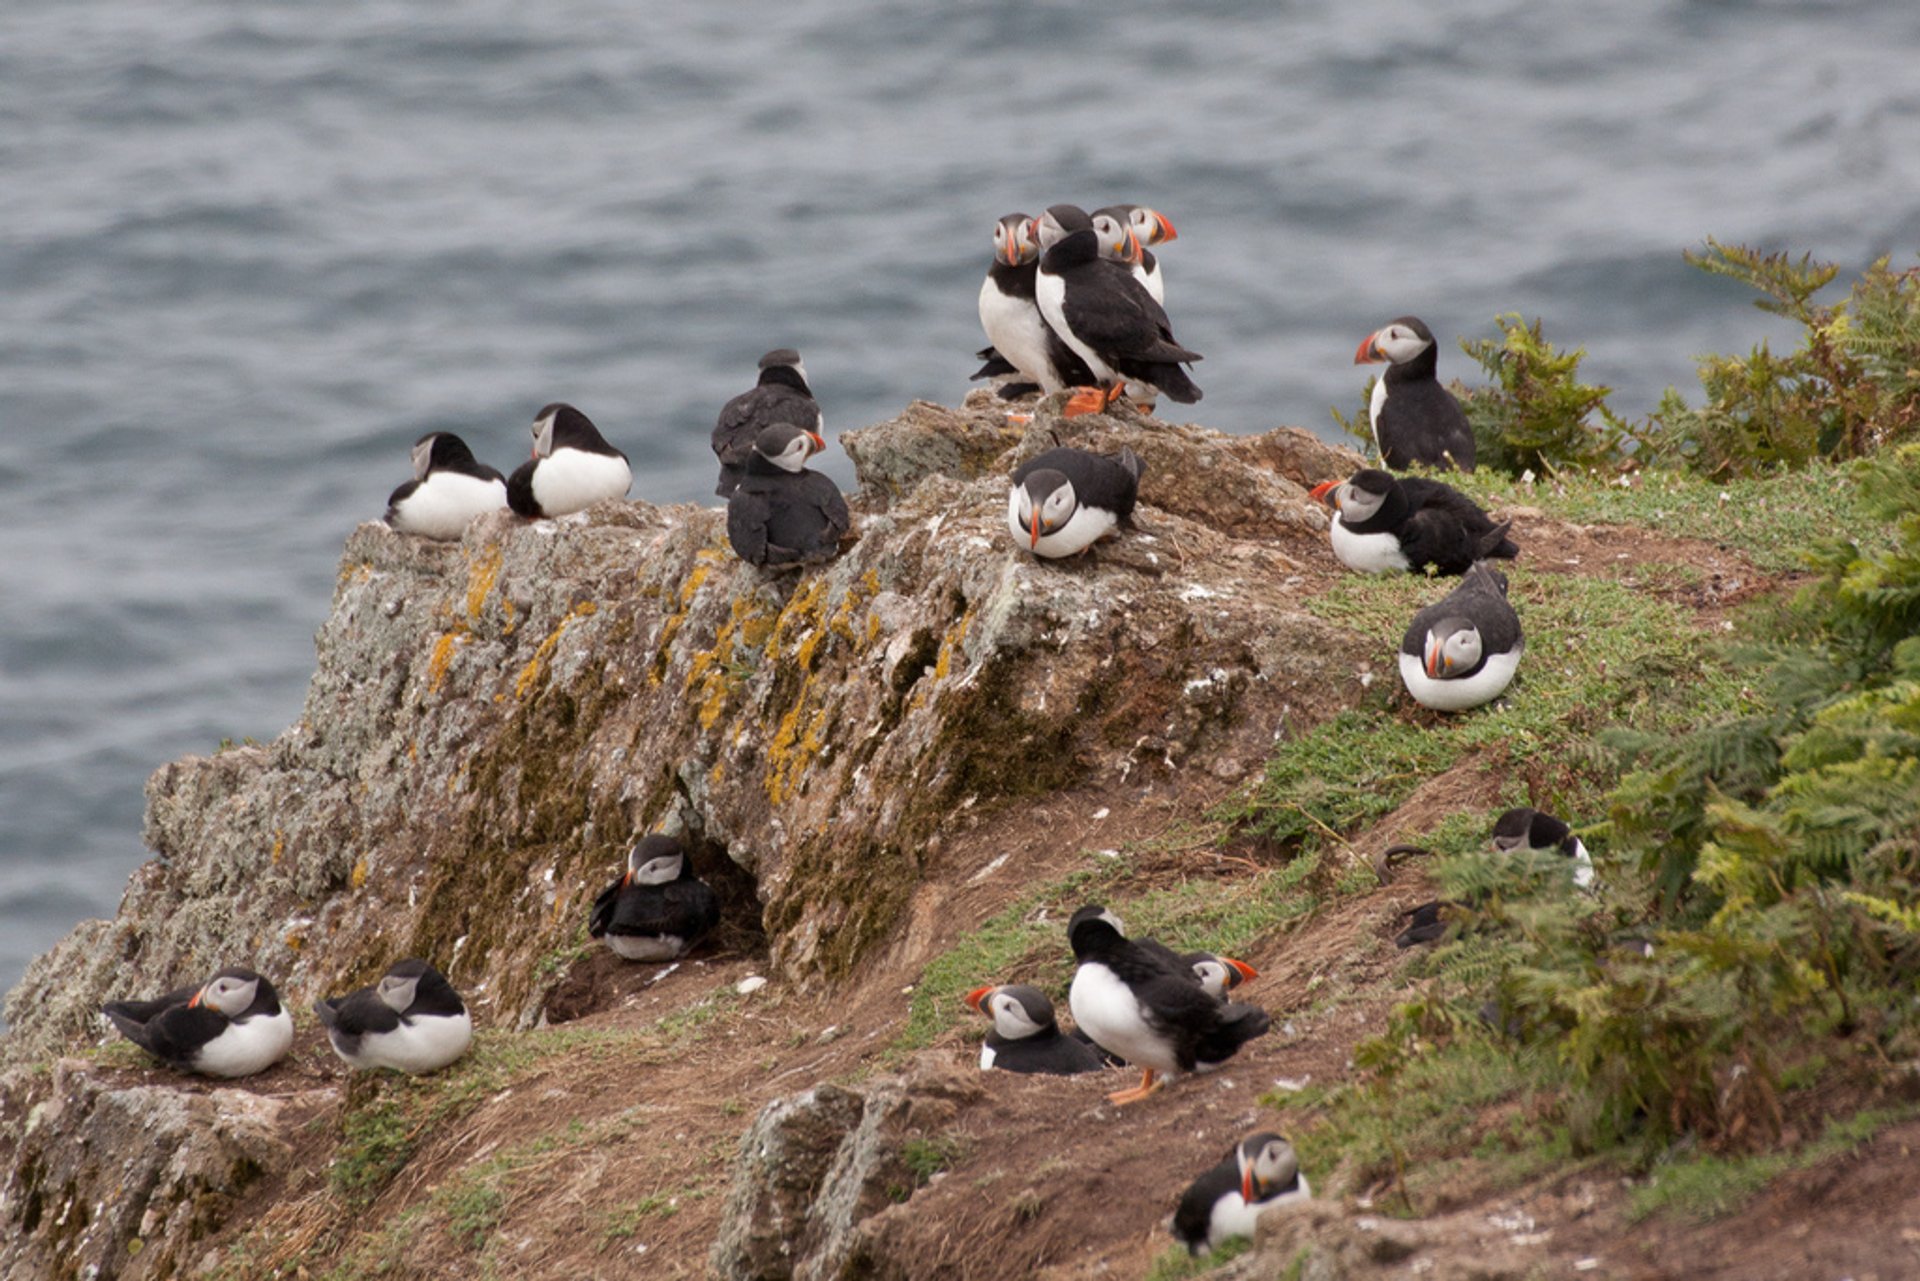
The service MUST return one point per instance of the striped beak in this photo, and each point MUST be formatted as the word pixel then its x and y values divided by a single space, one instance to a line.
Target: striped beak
pixel 1436 665
pixel 1321 491
pixel 194 1003
pixel 1241 968
pixel 1036 529
pixel 819 445
pixel 1166 227
pixel 1246 1183
pixel 1369 352
pixel 977 999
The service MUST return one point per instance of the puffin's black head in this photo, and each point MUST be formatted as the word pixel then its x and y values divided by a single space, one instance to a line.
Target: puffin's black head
pixel 656 860
pixel 402 982
pixel 1092 928
pixel 1524 828
pixel 439 449
pixel 1017 1010
pixel 783 365
pixel 787 447
pixel 1059 222
pixel 1013 241
pixel 1359 496
pixel 1043 503
pixel 560 424
pixel 1399 342
pixel 1267 1165
pixel 236 991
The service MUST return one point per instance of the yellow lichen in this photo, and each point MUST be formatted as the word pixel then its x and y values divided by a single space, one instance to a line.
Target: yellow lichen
pixel 696 578
pixel 537 665
pixel 482 574
pixel 793 749
pixel 279 845
pixel 359 875
pixel 442 656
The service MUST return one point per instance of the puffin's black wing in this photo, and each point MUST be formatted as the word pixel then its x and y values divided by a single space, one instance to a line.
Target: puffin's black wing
pixel 747 514
pixel 687 908
pixel 1111 312
pixel 1435 537
pixel 1421 422
pixel 520 490
pixel 1049 1053
pixel 177 1033
pixel 1194 1218
pixel 399 496
pixel 1481 599
pixel 361 1012
pixel 142 1011
pixel 1111 484
pixel 806 516
pixel 1237 1024
pixel 603 907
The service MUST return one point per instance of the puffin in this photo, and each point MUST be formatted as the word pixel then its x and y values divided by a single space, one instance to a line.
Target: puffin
pixel 572 468
pixel 1382 525
pixel 449 488
pixel 782 514
pixel 1219 975
pixel 1463 650
pixel 1106 316
pixel 231 1025
pixel 1261 1171
pixel 1065 500
pixel 1022 344
pixel 1415 419
pixel 412 1020
pixel 1140 1003
pixel 1149 227
pixel 659 909
pixel 1025 1037
pixel 1530 829
pixel 781 396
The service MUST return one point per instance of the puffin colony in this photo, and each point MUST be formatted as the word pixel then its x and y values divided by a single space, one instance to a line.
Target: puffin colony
pixel 1073 307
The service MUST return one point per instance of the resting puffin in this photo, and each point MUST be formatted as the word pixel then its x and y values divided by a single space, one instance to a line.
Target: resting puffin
pixel 449 488
pixel 1524 828
pixel 412 1020
pixel 1149 228
pixel 659 909
pixel 1025 1037
pixel 1023 344
pixel 572 468
pixel 1260 1172
pixel 1140 1003
pixel 1066 500
pixel 781 396
pixel 1106 316
pixel 1415 419
pixel 1382 525
pixel 231 1025
pixel 782 514
pixel 1462 651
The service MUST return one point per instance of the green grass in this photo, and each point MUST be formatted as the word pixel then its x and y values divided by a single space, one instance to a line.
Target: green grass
pixel 1176 1264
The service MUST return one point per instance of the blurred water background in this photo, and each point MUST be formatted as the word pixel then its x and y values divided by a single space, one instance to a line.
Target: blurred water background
pixel 249 252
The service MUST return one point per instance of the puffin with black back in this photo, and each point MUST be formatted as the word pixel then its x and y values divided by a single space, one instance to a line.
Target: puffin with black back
pixel 1463 650
pixel 1065 500
pixel 1025 1035
pixel 1531 829
pixel 659 909
pixel 411 1020
pixel 1382 525
pixel 781 396
pixel 1415 419
pixel 231 1025
pixel 1262 1171
pixel 1106 316
pixel 449 488
pixel 782 514
pixel 572 468
pixel 1023 346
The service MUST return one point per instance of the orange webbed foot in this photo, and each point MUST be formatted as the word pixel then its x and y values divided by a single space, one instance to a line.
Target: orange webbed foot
pixel 1087 400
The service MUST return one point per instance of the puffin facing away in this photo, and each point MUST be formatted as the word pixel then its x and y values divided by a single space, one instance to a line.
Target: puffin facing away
pixel 412 1020
pixel 659 909
pixel 1415 419
pixel 1382 525
pixel 782 514
pixel 1529 829
pixel 1066 500
pixel 231 1025
pixel 1149 228
pixel 1138 1001
pixel 1260 1172
pixel 449 488
pixel 1463 651
pixel 781 396
pixel 1025 1037
pixel 1106 316
pixel 572 468
pixel 1022 345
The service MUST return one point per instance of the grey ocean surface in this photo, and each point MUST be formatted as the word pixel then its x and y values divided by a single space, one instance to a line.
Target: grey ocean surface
pixel 249 252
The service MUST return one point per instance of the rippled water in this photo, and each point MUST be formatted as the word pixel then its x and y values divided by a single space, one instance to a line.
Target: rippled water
pixel 249 253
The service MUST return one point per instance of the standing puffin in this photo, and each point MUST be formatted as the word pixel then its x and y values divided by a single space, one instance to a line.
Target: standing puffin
pixel 449 488
pixel 1462 651
pixel 1022 344
pixel 781 396
pixel 781 513
pixel 1529 829
pixel 1066 500
pixel 1260 1172
pixel 1025 1037
pixel 659 909
pixel 1382 525
pixel 1106 316
pixel 572 468
pixel 412 1020
pixel 1140 1003
pixel 231 1025
pixel 1149 228
pixel 1415 419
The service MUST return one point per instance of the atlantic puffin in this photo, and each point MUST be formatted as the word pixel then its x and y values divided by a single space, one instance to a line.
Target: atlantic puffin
pixel 1262 1171
pixel 449 488
pixel 782 514
pixel 412 1020
pixel 1530 829
pixel 1065 500
pixel 572 468
pixel 1143 1005
pixel 659 909
pixel 1025 1036
pixel 1022 345
pixel 1106 316
pixel 1415 419
pixel 231 1025
pixel 781 396
pixel 1382 525
pixel 1149 228
pixel 1462 651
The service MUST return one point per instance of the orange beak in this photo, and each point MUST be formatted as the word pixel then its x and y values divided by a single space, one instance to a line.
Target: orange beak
pixel 1368 353
pixel 1320 493
pixel 1166 228
pixel 1135 251
pixel 1241 968
pixel 627 879
pixel 819 445
pixel 194 1003
pixel 1435 663
pixel 1246 1185
pixel 1036 530
pixel 977 998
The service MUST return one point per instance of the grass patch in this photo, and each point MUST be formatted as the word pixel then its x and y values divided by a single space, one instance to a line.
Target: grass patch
pixel 1175 1264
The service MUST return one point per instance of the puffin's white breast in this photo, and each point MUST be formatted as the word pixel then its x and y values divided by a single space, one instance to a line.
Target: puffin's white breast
pixel 1233 1217
pixel 1051 293
pixel 442 504
pixel 1368 553
pixel 249 1046
pixel 1107 1010
pixel 422 1043
pixel 1087 526
pixel 1468 691
pixel 986 1057
pixel 1014 327
pixel 647 947
pixel 571 480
